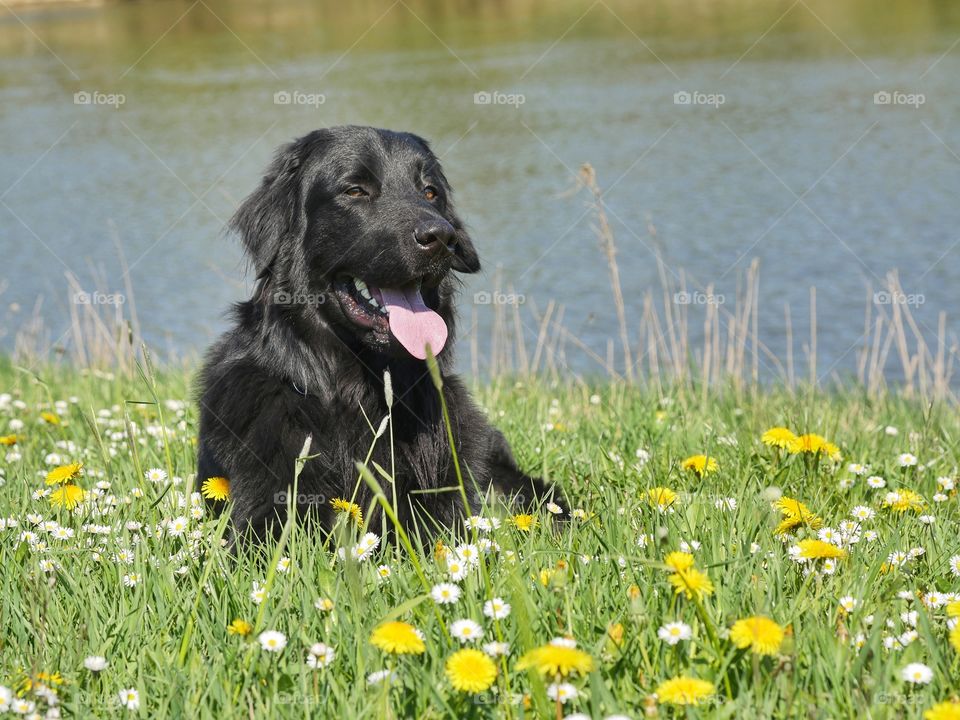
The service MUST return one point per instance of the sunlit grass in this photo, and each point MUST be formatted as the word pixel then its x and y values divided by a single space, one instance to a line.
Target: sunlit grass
pixel 161 603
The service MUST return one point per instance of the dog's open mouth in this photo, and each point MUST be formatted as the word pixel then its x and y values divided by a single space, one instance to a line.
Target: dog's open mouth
pixel 402 311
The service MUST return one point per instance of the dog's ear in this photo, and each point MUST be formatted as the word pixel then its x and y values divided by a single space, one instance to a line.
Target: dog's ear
pixel 271 213
pixel 465 258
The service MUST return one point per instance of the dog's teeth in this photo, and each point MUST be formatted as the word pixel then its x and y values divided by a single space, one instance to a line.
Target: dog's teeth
pixel 366 294
pixel 373 301
pixel 359 284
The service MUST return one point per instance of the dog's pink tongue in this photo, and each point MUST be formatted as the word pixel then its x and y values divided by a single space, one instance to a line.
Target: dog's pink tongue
pixel 413 323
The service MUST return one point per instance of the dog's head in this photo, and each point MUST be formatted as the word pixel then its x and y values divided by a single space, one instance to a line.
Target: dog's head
pixel 356 226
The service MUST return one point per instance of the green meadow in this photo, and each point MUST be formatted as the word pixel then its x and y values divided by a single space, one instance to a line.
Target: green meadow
pixel 129 604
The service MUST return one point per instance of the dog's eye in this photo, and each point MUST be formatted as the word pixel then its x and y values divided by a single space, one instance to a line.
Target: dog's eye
pixel 430 192
pixel 355 191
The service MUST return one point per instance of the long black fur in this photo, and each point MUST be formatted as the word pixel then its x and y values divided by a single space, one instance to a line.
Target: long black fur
pixel 294 364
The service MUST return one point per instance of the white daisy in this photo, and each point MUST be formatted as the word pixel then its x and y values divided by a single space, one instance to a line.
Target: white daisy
pixel 496 649
pixel 320 655
pixel 375 678
pixel 129 698
pixel 917 673
pixel 906 460
pixel 672 633
pixel 562 692
pixel 155 475
pixel 466 630
pixel 445 593
pixel 272 640
pixel 848 603
pixel 496 608
pixel 457 568
pixel 95 663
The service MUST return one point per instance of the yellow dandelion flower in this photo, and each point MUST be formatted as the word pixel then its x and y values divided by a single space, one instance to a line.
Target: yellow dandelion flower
pixel 795 513
pixel 64 473
pixel 524 522
pixel 678 561
pixel 692 582
pixel 685 690
pixel 761 634
pixel 812 444
pixel 817 549
pixel 953 609
pixel 554 660
pixel 615 632
pixel 350 508
pixel 67 496
pixel 41 678
pixel 440 551
pixel 948 710
pixel 701 465
pixel 779 437
pixel 397 637
pixel 8 439
pixel 470 671
pixel 955 638
pixel 903 500
pixel 662 497
pixel 807 443
pixel 240 627
pixel 831 451
pixel 50 418
pixel 216 488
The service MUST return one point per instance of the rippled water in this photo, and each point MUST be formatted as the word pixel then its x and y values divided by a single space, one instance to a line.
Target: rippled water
pixel 783 154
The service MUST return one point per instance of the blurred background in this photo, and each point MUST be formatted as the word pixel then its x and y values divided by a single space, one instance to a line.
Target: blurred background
pixel 818 137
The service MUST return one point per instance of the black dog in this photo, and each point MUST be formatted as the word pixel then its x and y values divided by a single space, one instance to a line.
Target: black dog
pixel 353 237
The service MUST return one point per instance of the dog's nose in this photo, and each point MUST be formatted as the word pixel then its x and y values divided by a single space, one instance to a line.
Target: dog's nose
pixel 435 235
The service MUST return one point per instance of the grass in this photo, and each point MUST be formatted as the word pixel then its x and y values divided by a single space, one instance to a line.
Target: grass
pixel 601 581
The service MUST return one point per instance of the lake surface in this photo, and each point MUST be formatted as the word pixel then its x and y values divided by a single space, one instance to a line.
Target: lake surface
pixel 784 151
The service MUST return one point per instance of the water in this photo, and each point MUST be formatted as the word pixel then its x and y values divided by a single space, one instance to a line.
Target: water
pixel 160 173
